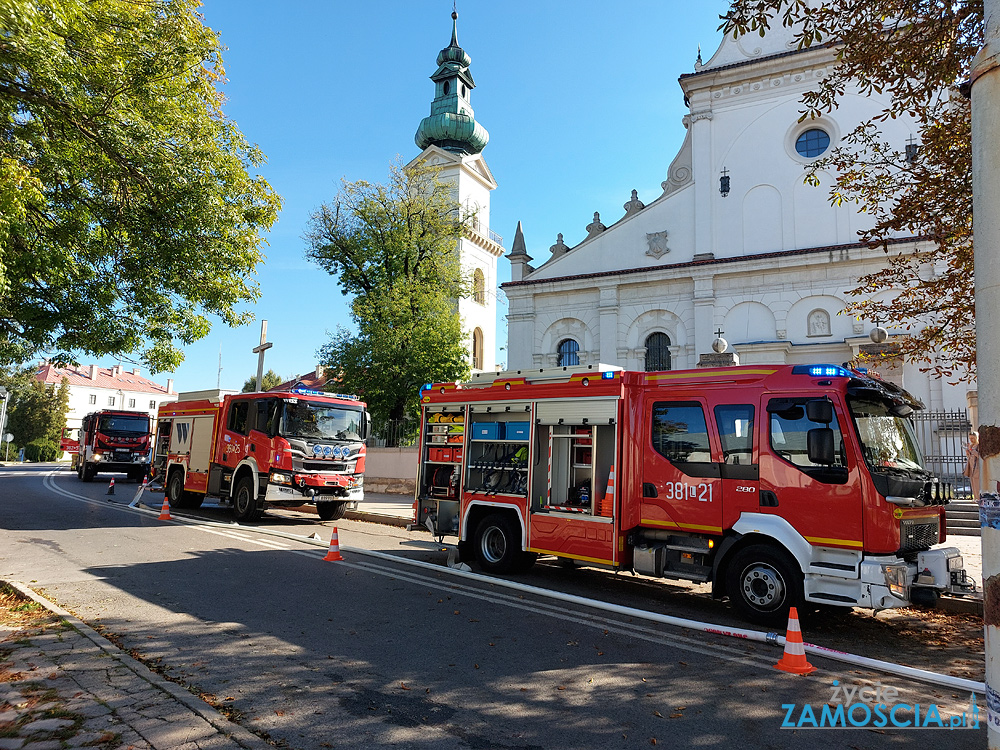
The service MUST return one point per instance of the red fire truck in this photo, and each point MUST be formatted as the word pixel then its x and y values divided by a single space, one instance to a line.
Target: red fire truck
pixel 113 441
pixel 779 485
pixel 256 449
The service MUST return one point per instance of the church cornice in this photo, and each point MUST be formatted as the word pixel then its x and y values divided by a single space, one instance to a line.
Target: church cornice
pixel 831 249
pixel 706 72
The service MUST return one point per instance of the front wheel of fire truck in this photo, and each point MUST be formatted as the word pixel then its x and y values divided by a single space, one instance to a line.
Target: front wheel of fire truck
pixel 763 582
pixel 89 472
pixel 245 504
pixel 498 546
pixel 331 511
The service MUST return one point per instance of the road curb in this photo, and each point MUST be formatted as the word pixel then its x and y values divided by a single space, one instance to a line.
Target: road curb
pixel 362 515
pixel 234 731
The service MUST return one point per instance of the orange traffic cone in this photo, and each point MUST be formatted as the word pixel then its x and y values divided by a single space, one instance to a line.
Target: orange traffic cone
pixel 606 506
pixel 334 554
pixel 165 511
pixel 794 658
pixel 111 487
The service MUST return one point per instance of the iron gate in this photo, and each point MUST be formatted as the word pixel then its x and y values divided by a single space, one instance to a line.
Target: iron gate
pixel 942 436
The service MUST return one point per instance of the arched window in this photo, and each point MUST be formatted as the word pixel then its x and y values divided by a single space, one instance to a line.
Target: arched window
pixel 568 353
pixel 657 352
pixel 479 287
pixel 477 349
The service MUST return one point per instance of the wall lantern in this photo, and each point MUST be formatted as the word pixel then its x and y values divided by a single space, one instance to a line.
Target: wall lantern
pixel 724 183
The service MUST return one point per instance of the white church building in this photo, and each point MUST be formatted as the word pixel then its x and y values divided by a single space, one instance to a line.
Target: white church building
pixel 736 246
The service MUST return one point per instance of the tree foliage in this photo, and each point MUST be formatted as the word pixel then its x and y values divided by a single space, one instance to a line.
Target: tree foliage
pixel 35 411
pixel 917 52
pixel 268 380
pixel 127 210
pixel 393 247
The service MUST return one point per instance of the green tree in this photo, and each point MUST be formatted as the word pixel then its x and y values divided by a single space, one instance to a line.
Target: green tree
pixel 393 247
pixel 268 380
pixel 37 412
pixel 128 213
pixel 918 52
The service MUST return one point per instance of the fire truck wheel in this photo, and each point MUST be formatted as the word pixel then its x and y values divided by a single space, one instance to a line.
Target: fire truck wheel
pixel 763 582
pixel 245 505
pixel 89 472
pixel 498 545
pixel 79 470
pixel 177 496
pixel 331 511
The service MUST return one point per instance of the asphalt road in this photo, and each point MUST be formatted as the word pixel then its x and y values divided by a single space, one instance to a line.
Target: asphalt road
pixel 374 652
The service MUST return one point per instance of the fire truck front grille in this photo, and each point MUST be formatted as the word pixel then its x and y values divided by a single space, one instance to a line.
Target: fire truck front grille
pixel 323 466
pixel 918 533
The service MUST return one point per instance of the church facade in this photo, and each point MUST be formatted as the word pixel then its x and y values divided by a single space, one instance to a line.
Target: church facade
pixel 736 246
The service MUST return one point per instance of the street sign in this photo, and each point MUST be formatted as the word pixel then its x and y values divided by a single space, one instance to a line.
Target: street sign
pixel 8 437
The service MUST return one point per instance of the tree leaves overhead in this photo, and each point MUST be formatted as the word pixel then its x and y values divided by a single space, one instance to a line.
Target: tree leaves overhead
pixel 917 52
pixel 394 248
pixel 127 210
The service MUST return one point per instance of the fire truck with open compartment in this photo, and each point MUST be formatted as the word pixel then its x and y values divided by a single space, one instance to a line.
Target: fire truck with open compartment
pixel 779 485
pixel 113 441
pixel 256 449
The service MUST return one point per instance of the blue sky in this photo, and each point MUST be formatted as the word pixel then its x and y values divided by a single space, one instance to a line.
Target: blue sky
pixel 580 99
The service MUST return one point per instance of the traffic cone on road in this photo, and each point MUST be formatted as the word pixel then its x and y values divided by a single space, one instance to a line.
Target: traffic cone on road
pixel 111 487
pixel 334 554
pixel 794 658
pixel 165 512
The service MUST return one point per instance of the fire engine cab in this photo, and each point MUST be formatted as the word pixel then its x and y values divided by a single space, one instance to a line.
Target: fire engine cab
pixel 251 450
pixel 779 485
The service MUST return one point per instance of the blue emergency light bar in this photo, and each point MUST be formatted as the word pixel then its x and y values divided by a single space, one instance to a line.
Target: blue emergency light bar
pixel 822 371
pixel 608 375
pixel 305 392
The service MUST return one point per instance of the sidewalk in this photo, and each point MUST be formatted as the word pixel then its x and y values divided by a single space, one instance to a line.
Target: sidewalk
pixel 66 686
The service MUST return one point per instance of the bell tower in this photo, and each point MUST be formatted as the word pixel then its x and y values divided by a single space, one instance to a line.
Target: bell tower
pixel 451 139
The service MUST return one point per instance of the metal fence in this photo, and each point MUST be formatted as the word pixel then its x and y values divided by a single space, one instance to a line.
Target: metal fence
pixel 942 436
pixel 394 433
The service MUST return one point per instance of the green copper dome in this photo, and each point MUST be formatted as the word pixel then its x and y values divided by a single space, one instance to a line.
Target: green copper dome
pixel 452 124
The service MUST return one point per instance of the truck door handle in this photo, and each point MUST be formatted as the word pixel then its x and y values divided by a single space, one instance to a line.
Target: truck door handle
pixel 648 489
pixel 768 499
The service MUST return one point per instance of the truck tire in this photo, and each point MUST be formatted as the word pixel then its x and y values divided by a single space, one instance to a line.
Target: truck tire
pixel 79 470
pixel 498 546
pixel 763 582
pixel 245 504
pixel 177 496
pixel 331 511
pixel 89 472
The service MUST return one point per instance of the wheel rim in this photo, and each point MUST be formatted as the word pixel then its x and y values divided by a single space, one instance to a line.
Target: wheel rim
pixel 242 499
pixel 174 489
pixel 762 586
pixel 493 544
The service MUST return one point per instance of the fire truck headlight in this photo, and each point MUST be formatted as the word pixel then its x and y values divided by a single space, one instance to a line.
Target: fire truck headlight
pixel 277 478
pixel 895 579
pixel 97 457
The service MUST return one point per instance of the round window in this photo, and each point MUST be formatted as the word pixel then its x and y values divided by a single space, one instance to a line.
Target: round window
pixel 447 88
pixel 812 143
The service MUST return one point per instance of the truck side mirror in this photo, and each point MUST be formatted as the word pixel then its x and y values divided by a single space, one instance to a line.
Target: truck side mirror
pixel 819 410
pixel 819 446
pixel 366 426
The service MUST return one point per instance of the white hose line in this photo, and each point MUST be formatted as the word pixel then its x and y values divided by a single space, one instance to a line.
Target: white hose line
pixel 934 678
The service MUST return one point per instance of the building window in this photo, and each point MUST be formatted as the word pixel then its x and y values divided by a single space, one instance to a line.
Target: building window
pixel 477 349
pixel 657 352
pixel 111 400
pixel 92 398
pixel 479 287
pixel 447 88
pixel 131 403
pixel 812 143
pixel 568 353
pixel 152 405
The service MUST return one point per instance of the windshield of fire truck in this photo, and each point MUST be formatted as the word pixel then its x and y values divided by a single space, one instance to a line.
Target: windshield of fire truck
pixel 308 419
pixel 887 441
pixel 119 425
